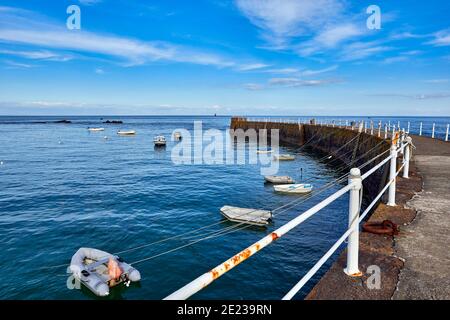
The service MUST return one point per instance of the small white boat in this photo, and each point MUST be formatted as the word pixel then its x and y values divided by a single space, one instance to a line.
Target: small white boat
pixel 245 215
pixel 177 136
pixel 159 141
pixel 279 179
pixel 264 151
pixel 284 157
pixel 293 188
pixel 96 129
pixel 99 270
pixel 126 132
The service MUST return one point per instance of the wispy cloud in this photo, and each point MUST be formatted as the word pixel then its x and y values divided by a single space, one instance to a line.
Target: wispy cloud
pixel 296 82
pixel 429 96
pixel 392 60
pixel 89 2
pixel 330 38
pixel 99 71
pixel 283 70
pixel 437 81
pixel 252 66
pixel 280 21
pixel 307 73
pixel 362 50
pixel 300 72
pixel 20 27
pixel 17 65
pixel 441 38
pixel 253 86
pixel 38 55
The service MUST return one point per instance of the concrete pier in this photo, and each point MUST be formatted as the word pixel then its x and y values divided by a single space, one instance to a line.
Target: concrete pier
pixel 425 243
pixel 416 263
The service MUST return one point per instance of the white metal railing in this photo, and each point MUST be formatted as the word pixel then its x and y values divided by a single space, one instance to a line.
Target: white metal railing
pixel 355 188
pixel 371 127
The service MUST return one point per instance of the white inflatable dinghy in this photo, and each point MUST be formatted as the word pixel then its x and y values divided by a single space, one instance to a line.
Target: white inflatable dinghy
pixel 96 129
pixel 99 270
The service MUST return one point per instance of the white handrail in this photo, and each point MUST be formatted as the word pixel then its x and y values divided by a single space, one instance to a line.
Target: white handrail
pixel 208 277
pixel 354 184
pixel 335 246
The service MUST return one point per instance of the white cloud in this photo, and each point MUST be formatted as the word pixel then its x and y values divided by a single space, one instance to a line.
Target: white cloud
pixel 21 27
pixel 395 59
pixel 283 71
pixel 89 2
pixel 252 66
pixel 18 65
pixel 407 35
pixel 99 71
pixel 281 20
pixel 296 82
pixel 362 50
pixel 429 96
pixel 437 81
pixel 38 55
pixel 253 86
pixel 307 73
pixel 441 38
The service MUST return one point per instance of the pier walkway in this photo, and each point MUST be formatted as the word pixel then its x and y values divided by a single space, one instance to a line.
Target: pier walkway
pixel 424 244
pixel 416 263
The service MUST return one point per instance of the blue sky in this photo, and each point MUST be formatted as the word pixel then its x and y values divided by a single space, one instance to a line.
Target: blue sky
pixel 254 57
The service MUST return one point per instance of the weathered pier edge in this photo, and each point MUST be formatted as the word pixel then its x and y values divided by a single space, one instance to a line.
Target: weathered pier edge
pixel 414 264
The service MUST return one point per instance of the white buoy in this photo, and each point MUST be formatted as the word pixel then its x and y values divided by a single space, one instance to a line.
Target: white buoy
pixel 1 163
pixel 105 137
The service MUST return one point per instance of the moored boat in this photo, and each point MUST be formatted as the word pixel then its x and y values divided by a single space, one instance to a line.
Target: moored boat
pixel 126 132
pixel 159 141
pixel 96 129
pixel 247 215
pixel 264 151
pixel 284 157
pixel 99 270
pixel 293 188
pixel 279 179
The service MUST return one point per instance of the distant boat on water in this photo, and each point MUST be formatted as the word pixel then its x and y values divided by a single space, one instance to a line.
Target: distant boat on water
pixel 126 132
pixel 159 141
pixel 96 129
pixel 269 150
pixel 284 157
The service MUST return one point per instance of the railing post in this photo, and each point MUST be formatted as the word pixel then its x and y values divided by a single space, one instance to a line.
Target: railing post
pixel 432 132
pixel 401 141
pixel 407 157
pixel 446 133
pixel 353 223
pixel 392 173
pixel 420 129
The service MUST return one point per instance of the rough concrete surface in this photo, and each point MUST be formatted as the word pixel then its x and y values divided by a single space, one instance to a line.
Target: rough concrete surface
pixel 425 243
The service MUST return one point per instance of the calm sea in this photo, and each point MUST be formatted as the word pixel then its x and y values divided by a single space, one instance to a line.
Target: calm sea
pixel 63 188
